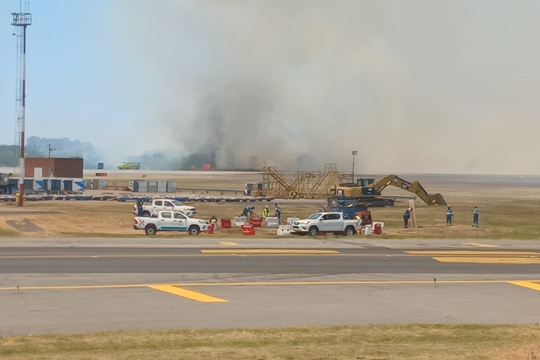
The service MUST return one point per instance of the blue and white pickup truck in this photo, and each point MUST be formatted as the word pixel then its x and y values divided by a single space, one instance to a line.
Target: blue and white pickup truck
pixel 169 221
pixel 326 222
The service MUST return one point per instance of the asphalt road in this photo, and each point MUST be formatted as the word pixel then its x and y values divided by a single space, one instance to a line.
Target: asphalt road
pixel 69 289
pixel 192 261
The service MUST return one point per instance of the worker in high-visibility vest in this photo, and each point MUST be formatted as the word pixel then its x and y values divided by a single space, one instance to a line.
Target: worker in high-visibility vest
pixel 266 212
pixel 449 216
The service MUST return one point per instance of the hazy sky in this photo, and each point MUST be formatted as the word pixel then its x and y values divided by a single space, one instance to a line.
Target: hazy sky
pixel 414 86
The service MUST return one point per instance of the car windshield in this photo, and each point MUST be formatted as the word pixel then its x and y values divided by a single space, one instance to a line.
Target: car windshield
pixel 314 216
pixel 177 203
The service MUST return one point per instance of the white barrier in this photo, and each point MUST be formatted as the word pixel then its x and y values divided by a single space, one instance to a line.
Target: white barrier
pixel 284 230
pixel 272 222
pixel 368 230
pixel 239 221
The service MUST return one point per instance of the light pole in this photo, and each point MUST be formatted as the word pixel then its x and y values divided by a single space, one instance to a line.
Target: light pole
pixel 50 149
pixel 354 153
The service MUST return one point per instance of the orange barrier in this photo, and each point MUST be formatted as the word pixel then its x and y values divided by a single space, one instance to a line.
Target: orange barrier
pixel 210 229
pixel 255 221
pixel 248 230
pixel 226 223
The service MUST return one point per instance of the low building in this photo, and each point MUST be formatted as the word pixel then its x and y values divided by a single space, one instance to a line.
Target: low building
pixel 37 168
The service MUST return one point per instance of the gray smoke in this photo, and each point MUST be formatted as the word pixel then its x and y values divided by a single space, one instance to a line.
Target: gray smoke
pixel 415 86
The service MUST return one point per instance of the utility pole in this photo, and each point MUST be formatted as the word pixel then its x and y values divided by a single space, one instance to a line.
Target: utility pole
pixel 50 149
pixel 21 20
pixel 354 153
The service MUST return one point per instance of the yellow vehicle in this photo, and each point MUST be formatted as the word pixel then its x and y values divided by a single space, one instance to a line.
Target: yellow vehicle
pixel 129 166
pixel 372 188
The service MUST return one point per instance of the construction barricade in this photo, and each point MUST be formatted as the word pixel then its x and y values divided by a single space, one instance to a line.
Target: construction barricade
pixel 368 230
pixel 255 221
pixel 248 230
pixel 210 229
pixel 284 230
pixel 272 222
pixel 239 221
pixel 226 223
pixel 377 228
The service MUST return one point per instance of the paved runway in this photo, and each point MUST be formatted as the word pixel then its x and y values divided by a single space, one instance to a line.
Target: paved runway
pixel 58 288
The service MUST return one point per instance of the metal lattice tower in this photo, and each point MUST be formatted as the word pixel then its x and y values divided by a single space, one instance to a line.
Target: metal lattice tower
pixel 21 20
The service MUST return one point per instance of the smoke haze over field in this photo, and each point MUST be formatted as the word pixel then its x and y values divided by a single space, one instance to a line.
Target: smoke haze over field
pixel 415 86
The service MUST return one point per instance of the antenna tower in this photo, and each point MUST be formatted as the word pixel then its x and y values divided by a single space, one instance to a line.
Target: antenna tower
pixel 21 20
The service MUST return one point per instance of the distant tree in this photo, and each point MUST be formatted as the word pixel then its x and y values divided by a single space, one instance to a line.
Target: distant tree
pixel 9 155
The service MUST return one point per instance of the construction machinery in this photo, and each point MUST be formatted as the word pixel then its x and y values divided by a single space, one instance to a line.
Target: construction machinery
pixel 303 185
pixel 369 190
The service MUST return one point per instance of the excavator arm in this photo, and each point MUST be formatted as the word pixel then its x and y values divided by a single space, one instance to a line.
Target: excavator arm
pixel 414 187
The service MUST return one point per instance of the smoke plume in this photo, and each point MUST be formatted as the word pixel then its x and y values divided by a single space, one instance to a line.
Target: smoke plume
pixel 416 86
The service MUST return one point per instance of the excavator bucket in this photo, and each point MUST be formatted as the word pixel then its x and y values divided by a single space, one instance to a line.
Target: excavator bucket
pixel 437 199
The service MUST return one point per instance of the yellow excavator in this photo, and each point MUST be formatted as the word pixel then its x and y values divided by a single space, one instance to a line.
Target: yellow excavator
pixel 371 189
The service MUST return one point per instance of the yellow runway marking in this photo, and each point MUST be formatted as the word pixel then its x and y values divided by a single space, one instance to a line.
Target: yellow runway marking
pixel 526 284
pixel 277 283
pixel 270 251
pixel 481 245
pixel 228 243
pixel 488 260
pixel 470 252
pixel 193 295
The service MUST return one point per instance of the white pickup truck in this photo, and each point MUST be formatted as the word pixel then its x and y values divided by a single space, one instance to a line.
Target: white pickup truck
pixel 326 222
pixel 164 204
pixel 171 221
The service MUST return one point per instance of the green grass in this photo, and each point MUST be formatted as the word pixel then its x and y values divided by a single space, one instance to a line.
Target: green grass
pixel 9 233
pixel 343 342
pixel 505 213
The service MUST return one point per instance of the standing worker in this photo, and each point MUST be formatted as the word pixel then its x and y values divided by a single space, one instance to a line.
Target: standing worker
pixel 406 217
pixel 449 216
pixel 139 208
pixel 476 215
pixel 266 212
pixel 278 213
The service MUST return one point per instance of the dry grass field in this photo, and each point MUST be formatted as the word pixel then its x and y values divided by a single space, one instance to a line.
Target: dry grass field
pixel 507 211
pixel 449 342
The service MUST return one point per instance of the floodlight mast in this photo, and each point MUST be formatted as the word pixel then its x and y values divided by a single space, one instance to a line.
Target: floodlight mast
pixel 22 20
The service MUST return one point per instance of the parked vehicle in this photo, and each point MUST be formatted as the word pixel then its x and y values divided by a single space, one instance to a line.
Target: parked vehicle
pixel 164 204
pixel 129 166
pixel 169 221
pixel 100 165
pixel 326 222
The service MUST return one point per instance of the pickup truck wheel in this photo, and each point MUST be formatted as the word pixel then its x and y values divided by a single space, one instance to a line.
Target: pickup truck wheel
pixel 313 231
pixel 349 231
pixel 146 214
pixel 150 230
pixel 194 230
